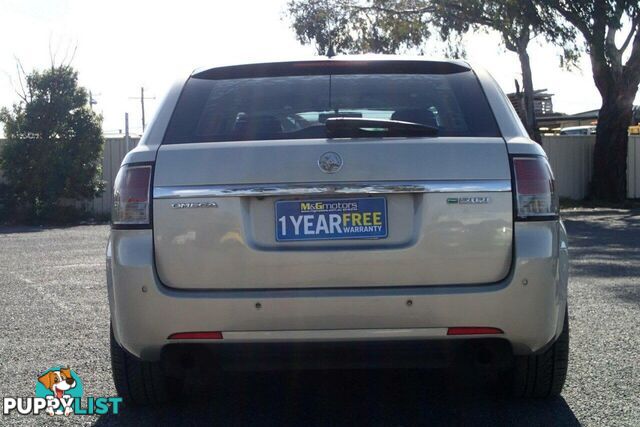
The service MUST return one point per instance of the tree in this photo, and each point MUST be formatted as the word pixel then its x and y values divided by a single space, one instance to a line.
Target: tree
pixel 387 26
pixel 601 22
pixel 355 27
pixel 54 144
pixel 518 22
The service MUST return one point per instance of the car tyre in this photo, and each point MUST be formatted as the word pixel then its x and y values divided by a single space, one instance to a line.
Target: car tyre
pixel 543 375
pixel 139 383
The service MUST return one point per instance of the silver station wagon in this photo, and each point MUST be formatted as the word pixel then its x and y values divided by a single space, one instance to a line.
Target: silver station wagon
pixel 336 213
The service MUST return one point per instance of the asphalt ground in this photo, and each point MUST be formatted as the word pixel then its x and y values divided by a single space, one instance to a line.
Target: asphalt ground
pixel 53 310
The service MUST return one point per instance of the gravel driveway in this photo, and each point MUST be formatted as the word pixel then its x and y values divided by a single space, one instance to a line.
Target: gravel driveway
pixel 53 310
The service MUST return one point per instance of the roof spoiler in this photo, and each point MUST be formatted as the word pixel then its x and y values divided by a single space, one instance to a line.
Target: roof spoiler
pixel 331 66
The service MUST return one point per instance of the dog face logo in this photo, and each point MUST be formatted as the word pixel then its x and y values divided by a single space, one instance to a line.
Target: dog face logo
pixel 59 391
pixel 58 381
pixel 60 386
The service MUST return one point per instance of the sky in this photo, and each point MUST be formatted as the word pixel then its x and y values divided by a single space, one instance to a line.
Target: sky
pixel 121 46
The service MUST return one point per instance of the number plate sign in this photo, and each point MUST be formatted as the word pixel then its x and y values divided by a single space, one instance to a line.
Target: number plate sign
pixel 363 218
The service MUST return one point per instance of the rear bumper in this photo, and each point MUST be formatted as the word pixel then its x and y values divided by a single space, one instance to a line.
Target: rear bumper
pixel 493 353
pixel 528 305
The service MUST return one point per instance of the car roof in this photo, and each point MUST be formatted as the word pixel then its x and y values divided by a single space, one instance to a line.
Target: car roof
pixel 342 64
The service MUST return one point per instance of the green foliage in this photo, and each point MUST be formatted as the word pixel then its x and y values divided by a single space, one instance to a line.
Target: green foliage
pixel 357 27
pixel 600 22
pixel 517 21
pixel 53 151
pixel 392 26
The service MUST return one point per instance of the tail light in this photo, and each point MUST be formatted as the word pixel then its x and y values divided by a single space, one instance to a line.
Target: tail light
pixel 535 188
pixel 210 335
pixel 131 196
pixel 473 330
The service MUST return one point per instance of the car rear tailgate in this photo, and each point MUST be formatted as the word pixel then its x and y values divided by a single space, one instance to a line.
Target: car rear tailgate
pixel 448 213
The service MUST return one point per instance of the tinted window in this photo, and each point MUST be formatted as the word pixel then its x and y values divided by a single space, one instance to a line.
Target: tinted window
pixel 296 107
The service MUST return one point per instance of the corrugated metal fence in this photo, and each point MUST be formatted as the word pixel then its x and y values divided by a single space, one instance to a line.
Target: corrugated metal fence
pixel 570 157
pixel 633 168
pixel 571 162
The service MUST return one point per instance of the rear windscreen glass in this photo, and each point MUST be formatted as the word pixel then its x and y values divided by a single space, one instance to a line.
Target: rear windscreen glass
pixel 297 107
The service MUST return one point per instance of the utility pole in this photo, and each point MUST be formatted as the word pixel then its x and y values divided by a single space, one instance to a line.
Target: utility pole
pixel 127 139
pixel 92 100
pixel 142 103
pixel 142 98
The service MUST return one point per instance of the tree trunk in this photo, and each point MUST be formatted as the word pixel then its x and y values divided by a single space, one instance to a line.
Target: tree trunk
pixel 527 82
pixel 610 153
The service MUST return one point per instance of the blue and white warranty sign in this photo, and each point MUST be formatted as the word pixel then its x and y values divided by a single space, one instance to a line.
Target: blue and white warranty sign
pixel 364 218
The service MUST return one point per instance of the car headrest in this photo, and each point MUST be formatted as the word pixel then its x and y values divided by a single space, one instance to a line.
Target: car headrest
pixel 257 125
pixel 416 115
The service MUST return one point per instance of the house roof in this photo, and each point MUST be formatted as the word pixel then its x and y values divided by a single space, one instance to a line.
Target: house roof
pixel 585 115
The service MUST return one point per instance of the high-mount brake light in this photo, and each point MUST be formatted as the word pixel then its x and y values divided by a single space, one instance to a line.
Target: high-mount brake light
pixel 536 196
pixel 131 196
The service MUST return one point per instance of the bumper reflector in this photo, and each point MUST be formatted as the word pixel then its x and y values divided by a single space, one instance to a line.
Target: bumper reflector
pixel 473 330
pixel 196 336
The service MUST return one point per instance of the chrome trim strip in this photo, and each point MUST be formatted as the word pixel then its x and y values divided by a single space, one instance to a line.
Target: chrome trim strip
pixel 386 187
